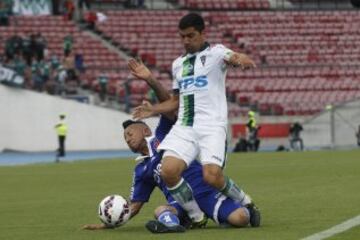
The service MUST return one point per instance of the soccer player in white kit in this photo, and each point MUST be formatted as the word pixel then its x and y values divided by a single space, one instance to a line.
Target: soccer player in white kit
pixel 200 131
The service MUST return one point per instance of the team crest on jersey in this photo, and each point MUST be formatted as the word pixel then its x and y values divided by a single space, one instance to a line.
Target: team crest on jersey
pixel 203 60
pixel 190 68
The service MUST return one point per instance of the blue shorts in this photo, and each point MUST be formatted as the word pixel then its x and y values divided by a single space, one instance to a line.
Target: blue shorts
pixel 215 205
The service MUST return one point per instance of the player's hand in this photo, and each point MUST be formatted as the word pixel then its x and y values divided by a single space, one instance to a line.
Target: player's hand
pixel 243 60
pixel 139 70
pixel 145 110
pixel 94 227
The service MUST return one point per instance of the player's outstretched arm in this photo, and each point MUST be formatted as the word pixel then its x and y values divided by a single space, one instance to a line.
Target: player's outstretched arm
pixel 139 70
pixel 147 110
pixel 242 60
pixel 135 208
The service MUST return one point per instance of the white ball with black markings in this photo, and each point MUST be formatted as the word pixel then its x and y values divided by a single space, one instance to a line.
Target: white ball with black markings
pixel 114 211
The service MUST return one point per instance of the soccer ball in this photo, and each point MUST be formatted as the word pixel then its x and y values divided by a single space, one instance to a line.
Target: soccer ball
pixel 114 211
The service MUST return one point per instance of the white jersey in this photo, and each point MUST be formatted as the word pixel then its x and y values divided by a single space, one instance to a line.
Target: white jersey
pixel 200 80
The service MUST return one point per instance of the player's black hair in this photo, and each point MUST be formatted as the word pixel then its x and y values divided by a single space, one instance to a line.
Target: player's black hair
pixel 192 20
pixel 129 122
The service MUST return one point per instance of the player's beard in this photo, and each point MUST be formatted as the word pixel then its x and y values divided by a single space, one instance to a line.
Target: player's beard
pixel 141 147
pixel 189 50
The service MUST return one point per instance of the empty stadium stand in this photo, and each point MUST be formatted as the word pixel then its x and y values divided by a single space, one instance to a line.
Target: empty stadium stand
pixel 224 4
pixel 306 60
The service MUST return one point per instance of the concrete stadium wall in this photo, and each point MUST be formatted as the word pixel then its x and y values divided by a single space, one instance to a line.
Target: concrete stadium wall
pixel 27 121
pixel 346 119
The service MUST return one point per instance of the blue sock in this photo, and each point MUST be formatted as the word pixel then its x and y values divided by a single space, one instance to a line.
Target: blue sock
pixel 168 218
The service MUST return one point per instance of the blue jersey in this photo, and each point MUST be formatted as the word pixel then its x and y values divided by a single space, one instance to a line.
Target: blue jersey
pixel 147 172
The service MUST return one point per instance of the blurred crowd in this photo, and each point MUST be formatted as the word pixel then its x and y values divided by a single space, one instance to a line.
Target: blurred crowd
pixel 29 57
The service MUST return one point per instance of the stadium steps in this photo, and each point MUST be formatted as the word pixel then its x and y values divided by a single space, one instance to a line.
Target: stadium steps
pixel 120 76
pixel 107 44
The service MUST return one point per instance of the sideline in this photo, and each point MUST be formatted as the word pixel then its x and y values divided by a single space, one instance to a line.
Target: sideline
pixel 342 227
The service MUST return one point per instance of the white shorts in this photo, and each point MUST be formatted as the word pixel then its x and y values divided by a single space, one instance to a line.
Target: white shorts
pixel 208 145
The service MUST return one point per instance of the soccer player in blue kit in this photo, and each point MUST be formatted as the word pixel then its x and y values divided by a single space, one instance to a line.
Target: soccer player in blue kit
pixel 139 137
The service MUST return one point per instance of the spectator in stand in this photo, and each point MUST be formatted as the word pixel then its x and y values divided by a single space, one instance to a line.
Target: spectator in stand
pixel 69 9
pixel 56 7
pixel 85 3
pixel 71 76
pixel 4 18
pixel 60 80
pixel 44 70
pixel 140 3
pixel 27 51
pixel 102 81
pixel 90 20
pixel 294 132
pixel 19 65
pixel 13 46
pixel 38 81
pixel 69 65
pixel 79 63
pixel 81 5
pixel 68 44
pixel 54 62
pixel 5 12
pixel 40 43
pixel 134 4
pixel 358 136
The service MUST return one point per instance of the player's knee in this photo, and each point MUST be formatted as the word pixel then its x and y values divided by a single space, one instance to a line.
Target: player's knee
pixel 239 218
pixel 171 170
pixel 213 176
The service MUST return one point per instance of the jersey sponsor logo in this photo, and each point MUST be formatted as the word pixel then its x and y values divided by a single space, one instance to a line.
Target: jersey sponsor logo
pixel 216 158
pixel 190 82
pixel 189 68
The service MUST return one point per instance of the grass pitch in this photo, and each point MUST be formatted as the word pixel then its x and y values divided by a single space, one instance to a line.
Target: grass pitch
pixel 299 194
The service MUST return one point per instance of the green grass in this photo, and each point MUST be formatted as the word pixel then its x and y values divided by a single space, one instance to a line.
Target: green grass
pixel 299 194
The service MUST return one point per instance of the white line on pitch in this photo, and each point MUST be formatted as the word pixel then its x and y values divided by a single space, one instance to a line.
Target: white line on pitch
pixel 342 227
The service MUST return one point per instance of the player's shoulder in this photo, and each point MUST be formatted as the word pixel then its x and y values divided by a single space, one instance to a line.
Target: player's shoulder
pixel 142 164
pixel 178 61
pixel 218 48
pixel 177 64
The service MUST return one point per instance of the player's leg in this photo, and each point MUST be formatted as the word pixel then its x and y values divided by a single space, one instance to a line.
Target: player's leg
pixel 167 221
pixel 213 175
pixel 180 151
pixel 171 170
pixel 224 210
pixel 230 189
pixel 239 217
pixel 213 157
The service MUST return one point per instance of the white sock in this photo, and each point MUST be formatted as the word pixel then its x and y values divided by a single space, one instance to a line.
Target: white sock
pixel 183 194
pixel 233 191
